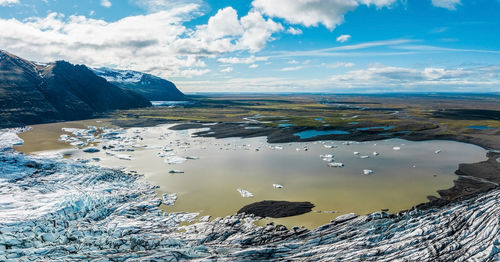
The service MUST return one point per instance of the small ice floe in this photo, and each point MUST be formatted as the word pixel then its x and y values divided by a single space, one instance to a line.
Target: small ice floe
pixel 277 147
pixel 437 151
pixel 396 148
pixel 376 153
pixel 204 219
pixel 123 157
pixel 277 186
pixel 356 153
pixel 326 156
pixel 367 171
pixel 91 150
pixel 172 160
pixel 297 149
pixel 363 157
pixel 336 164
pixel 330 146
pixel 169 199
pixel 244 193
pixel 78 143
pixel 306 148
pixel 81 160
pixel 175 172
pixel 192 157
pixel 167 149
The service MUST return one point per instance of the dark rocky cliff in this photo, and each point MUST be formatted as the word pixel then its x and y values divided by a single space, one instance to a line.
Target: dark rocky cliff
pixel 33 93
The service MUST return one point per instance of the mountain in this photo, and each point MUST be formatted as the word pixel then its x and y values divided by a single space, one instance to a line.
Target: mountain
pixel 33 93
pixel 152 87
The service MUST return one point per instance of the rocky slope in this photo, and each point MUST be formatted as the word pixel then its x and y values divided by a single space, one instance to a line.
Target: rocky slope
pixel 152 87
pixel 36 93
pixel 64 211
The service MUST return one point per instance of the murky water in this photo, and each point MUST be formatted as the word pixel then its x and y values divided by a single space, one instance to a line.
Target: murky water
pixel 401 179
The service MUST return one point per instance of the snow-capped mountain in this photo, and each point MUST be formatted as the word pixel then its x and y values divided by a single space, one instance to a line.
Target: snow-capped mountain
pixel 152 87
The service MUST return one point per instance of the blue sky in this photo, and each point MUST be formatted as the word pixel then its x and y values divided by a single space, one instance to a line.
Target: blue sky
pixel 337 46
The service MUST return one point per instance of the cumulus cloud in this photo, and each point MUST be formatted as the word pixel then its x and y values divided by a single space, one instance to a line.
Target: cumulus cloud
pixel 294 31
pixel 343 38
pixel 106 3
pixel 253 66
pixel 157 43
pixel 8 2
pixel 227 70
pixel 330 13
pixel 448 4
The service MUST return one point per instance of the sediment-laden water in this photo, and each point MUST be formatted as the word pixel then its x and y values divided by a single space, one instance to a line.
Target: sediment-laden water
pixel 403 173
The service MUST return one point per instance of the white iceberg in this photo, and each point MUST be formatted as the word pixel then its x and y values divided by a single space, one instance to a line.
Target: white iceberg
pixel 169 199
pixel 367 171
pixel 244 193
pixel 277 186
pixel 376 153
pixel 336 164
pixel 356 153
pixel 175 171
pixel 396 148
pixel 172 160
pixel 123 157
pixel 364 157
pixel 437 151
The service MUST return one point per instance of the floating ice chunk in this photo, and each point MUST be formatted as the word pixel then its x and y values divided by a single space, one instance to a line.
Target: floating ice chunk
pixel 172 160
pixel 175 171
pixel 277 147
pixel 244 193
pixel 123 157
pixel 356 153
pixel 78 143
pixel 204 219
pixel 277 186
pixel 169 199
pixel 192 157
pixel 367 171
pixel 330 146
pixel 167 149
pixel 91 150
pixel 376 153
pixel 363 157
pixel 326 156
pixel 437 151
pixel 396 148
pixel 336 164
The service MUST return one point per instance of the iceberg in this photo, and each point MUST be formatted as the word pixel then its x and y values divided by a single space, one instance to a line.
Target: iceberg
pixel 277 186
pixel 123 157
pixel 169 199
pixel 367 171
pixel 336 164
pixel 172 160
pixel 244 193
pixel 175 171
pixel 396 148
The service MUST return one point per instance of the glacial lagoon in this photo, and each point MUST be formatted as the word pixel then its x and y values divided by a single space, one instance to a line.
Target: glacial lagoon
pixel 213 169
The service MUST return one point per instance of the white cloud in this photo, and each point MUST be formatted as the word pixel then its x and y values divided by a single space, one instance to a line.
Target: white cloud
pixel 330 13
pixel 8 2
pixel 340 64
pixel 448 4
pixel 294 31
pixel 159 5
pixel 293 62
pixel 292 68
pixel 156 43
pixel 343 38
pixel 106 3
pixel 227 70
pixel 253 66
pixel 258 31
pixel 241 60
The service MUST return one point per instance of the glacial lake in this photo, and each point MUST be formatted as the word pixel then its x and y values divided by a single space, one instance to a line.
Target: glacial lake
pixel 401 178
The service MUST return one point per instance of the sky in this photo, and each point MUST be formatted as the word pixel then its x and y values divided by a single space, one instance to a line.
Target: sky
pixel 279 46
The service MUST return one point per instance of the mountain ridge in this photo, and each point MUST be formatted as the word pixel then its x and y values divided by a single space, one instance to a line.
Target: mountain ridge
pixel 32 93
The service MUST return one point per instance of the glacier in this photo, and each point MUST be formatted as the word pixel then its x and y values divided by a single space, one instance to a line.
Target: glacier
pixel 62 210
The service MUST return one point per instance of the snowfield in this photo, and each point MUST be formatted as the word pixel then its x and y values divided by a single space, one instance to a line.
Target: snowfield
pixel 55 209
